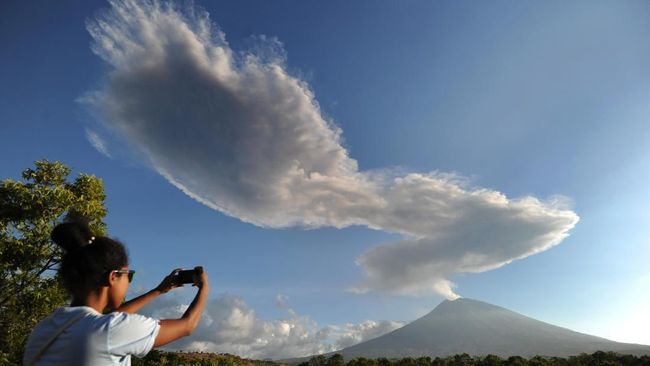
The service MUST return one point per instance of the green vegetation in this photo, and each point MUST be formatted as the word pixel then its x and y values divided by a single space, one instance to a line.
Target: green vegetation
pixel 29 210
pixel 156 358
pixel 596 359
pixel 160 358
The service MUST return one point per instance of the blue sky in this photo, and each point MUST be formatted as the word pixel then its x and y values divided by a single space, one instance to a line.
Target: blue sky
pixel 545 100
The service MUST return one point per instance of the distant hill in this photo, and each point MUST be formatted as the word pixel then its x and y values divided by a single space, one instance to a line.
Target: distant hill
pixel 478 328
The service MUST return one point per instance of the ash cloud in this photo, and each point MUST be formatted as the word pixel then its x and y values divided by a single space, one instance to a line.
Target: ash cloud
pixel 235 131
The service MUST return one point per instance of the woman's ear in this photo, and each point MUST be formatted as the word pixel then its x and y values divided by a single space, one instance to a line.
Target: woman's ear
pixel 111 278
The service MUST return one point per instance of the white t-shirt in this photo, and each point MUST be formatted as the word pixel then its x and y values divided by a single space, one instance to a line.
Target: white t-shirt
pixel 94 339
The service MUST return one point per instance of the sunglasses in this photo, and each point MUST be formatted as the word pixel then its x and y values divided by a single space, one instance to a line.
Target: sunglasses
pixel 129 272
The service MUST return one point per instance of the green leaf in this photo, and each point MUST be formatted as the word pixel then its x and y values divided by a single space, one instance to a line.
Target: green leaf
pixel 29 210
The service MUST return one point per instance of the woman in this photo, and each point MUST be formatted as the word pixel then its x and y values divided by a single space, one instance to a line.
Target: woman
pixel 95 272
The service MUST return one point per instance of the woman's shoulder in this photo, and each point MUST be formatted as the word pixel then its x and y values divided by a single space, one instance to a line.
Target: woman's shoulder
pixel 120 316
pixel 69 320
pixel 133 334
pixel 68 314
pixel 90 316
pixel 119 319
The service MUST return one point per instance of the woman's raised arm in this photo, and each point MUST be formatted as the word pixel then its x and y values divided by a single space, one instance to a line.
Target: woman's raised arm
pixel 133 305
pixel 173 329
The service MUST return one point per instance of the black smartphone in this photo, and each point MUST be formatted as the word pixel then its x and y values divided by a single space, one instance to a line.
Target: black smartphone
pixel 187 276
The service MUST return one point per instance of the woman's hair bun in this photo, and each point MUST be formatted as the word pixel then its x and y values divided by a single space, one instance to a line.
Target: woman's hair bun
pixel 71 235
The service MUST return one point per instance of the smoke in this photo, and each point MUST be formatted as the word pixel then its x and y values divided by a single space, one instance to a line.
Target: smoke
pixel 235 131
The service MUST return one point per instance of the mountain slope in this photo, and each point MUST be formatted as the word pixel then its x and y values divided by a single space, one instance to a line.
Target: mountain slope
pixel 478 328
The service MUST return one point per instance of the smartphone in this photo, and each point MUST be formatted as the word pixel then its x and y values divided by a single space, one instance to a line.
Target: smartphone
pixel 187 276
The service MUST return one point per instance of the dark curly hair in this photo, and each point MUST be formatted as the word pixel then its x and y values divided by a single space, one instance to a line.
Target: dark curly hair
pixel 86 259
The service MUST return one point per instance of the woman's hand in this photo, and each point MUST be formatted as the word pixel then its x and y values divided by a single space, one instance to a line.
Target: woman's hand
pixel 168 282
pixel 201 279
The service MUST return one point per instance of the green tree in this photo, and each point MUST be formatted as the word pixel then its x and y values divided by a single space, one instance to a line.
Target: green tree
pixel 516 361
pixel 423 361
pixel 491 360
pixel 29 210
pixel 335 360
pixel 319 360
pixel 462 360
pixel 406 361
pixel 558 361
pixel 538 361
pixel 383 361
pixel 439 361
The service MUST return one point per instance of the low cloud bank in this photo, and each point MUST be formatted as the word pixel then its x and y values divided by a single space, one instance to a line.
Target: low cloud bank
pixel 349 334
pixel 229 325
pixel 238 133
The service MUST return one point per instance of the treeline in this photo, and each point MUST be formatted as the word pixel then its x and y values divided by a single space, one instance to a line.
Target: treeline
pixel 159 358
pixel 596 359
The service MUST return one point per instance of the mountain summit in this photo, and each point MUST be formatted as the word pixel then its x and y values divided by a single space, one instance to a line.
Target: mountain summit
pixel 478 328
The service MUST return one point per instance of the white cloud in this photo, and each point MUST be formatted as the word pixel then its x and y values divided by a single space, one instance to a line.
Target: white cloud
pixel 229 325
pixel 98 143
pixel 237 132
pixel 350 334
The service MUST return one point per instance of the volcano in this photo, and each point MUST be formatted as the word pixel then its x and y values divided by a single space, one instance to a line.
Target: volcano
pixel 478 328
